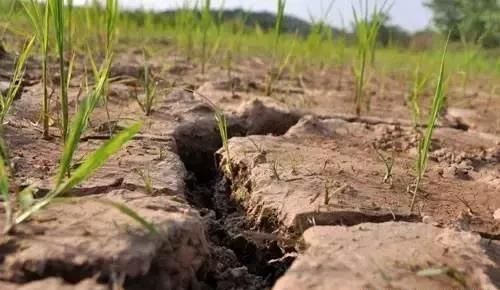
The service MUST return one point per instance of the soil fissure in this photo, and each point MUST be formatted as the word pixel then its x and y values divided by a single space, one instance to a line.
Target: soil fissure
pixel 242 255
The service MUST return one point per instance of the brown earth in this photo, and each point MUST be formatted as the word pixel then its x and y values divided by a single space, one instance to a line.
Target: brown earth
pixel 299 160
pixel 325 171
pixel 392 256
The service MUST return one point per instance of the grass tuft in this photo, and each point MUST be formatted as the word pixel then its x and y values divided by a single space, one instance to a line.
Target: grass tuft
pixel 15 83
pixel 425 143
pixel 367 28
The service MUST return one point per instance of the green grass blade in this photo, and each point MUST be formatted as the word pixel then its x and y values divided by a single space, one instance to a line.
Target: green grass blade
pixel 84 171
pixel 425 143
pixel 96 159
pixel 78 126
pixel 79 123
pixel 130 213
pixel 4 192
pixel 57 9
pixel 111 20
pixel 16 82
pixel 4 180
pixel 31 9
pixel 437 105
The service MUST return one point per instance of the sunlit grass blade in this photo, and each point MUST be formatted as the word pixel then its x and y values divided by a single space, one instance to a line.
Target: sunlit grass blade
pixel 278 26
pixel 206 23
pixel 148 99
pixel 111 21
pixel 57 9
pixel 79 123
pixel 4 192
pixel 419 83
pixel 130 213
pixel 16 81
pixel 367 27
pixel 85 170
pixel 425 143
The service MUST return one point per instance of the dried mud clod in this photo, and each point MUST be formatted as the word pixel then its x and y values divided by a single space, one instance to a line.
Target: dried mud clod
pixel 326 172
pixel 393 256
pixel 100 242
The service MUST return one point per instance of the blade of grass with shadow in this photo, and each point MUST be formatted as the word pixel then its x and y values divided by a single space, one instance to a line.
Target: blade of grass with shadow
pixel 130 213
pixel 4 192
pixel 79 123
pixel 425 143
pixel 57 10
pixel 84 171
pixel 16 81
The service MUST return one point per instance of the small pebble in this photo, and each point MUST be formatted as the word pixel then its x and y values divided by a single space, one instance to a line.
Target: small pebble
pixel 496 215
pixel 428 220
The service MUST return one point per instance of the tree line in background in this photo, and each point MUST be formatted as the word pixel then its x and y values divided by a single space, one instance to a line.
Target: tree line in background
pixel 474 22
pixel 469 21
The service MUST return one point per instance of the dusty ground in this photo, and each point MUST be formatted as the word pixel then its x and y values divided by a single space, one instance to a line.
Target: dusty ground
pixel 306 180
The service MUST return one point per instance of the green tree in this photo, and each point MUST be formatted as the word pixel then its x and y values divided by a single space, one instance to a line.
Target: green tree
pixel 469 21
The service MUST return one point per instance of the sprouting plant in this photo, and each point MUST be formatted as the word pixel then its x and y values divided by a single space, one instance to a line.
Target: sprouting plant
pixel 84 171
pixel 111 21
pixel 145 176
pixel 388 163
pixel 57 10
pixel 278 71
pixel 272 76
pixel 218 23
pixel 328 185
pixel 419 84
pixel 15 83
pixel 341 52
pixel 366 29
pixel 41 24
pixel 471 47
pixel 471 53
pixel 206 23
pixel 80 122
pixel 275 171
pixel 149 96
pixel 319 29
pixel 69 19
pixel 234 47
pixel 9 9
pixel 184 23
pixel 4 188
pixel 425 142
pixel 222 126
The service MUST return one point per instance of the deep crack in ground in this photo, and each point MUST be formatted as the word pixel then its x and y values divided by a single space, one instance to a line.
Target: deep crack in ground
pixel 242 256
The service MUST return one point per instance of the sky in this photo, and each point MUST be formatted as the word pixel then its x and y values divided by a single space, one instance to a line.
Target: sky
pixel 410 14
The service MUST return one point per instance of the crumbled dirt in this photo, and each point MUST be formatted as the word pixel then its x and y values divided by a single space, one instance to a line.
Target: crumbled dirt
pixel 393 256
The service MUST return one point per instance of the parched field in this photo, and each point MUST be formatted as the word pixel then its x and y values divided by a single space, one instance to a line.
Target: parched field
pixel 302 193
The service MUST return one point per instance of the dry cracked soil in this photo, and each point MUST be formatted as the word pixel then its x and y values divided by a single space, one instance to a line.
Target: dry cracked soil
pixel 302 201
